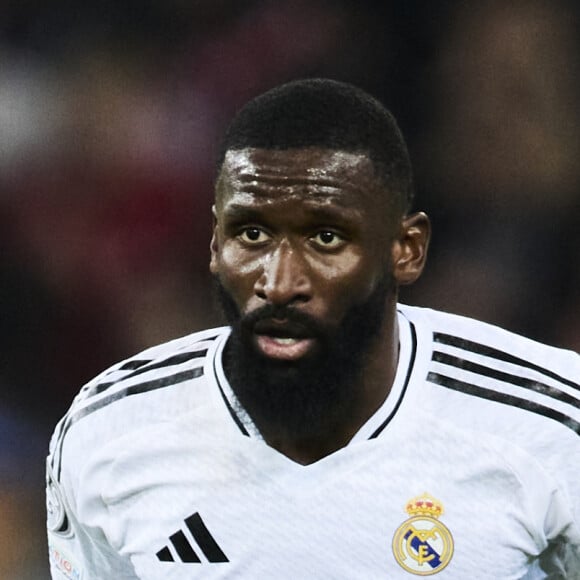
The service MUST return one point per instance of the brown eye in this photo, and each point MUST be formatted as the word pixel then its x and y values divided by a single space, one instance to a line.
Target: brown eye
pixel 328 239
pixel 253 236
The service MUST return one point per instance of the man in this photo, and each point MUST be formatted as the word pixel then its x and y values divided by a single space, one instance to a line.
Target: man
pixel 328 432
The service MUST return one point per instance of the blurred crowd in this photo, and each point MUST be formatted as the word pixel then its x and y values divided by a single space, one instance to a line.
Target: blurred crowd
pixel 110 116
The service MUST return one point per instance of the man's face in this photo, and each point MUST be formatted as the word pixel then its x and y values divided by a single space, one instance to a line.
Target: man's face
pixel 307 229
pixel 301 251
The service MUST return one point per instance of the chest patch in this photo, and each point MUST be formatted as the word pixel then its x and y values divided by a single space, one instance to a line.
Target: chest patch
pixel 423 545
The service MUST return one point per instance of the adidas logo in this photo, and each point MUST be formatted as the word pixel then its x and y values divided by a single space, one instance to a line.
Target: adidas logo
pixel 181 548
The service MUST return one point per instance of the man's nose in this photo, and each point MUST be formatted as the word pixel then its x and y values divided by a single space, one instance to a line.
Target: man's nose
pixel 284 279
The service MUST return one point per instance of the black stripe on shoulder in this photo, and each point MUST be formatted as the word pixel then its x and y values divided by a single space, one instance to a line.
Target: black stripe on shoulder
pixel 504 399
pixel 381 427
pixel 134 364
pixel 498 354
pixel 127 392
pixel 137 390
pixel 526 383
pixel 171 361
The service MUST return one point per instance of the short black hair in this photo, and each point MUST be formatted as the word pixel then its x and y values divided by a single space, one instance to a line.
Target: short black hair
pixel 328 114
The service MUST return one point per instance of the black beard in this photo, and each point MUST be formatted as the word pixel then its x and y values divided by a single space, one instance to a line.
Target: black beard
pixel 308 398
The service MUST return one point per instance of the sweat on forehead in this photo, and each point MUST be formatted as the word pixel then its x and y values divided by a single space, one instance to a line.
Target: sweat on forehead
pixel 314 164
pixel 325 114
pixel 330 176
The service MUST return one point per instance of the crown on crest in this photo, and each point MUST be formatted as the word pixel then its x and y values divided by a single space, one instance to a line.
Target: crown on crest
pixel 424 505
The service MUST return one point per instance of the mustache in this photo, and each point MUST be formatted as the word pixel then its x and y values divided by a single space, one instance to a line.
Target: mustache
pixel 283 321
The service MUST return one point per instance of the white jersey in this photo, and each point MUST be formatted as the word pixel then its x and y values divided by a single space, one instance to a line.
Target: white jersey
pixel 469 469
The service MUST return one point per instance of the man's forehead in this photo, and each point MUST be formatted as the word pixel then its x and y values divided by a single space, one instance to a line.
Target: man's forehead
pixel 326 172
pixel 314 160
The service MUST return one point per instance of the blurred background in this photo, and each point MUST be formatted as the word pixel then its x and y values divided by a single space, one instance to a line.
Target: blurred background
pixel 110 116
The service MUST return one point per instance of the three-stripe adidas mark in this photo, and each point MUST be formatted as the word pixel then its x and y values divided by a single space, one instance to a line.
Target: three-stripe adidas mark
pixel 180 547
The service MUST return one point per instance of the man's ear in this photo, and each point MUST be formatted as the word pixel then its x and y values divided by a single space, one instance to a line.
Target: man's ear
pixel 409 250
pixel 214 244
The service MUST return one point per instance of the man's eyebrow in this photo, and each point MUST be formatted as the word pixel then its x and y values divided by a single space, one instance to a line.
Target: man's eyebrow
pixel 333 211
pixel 236 211
pixel 326 211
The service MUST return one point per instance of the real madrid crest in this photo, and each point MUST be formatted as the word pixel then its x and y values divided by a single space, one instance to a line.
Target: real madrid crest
pixel 422 544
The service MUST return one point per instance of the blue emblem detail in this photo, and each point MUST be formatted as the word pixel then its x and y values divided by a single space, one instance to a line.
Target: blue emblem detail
pixel 416 543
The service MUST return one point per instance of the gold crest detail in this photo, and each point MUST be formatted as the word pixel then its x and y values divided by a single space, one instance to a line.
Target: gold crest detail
pixel 422 544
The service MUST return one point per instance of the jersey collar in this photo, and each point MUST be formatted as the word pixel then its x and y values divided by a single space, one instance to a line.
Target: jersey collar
pixel 375 424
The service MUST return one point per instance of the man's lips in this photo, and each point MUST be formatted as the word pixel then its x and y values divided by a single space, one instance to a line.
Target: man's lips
pixel 283 348
pixel 282 328
pixel 283 340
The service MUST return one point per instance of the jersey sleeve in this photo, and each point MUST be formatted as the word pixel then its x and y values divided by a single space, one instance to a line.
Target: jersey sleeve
pixel 77 544
pixel 77 549
pixel 550 520
pixel 86 532
pixel 561 559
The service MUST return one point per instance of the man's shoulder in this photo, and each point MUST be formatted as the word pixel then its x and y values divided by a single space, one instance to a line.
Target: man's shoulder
pixel 482 377
pixel 163 350
pixel 150 368
pixel 461 333
pixel 155 385
pixel 474 365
